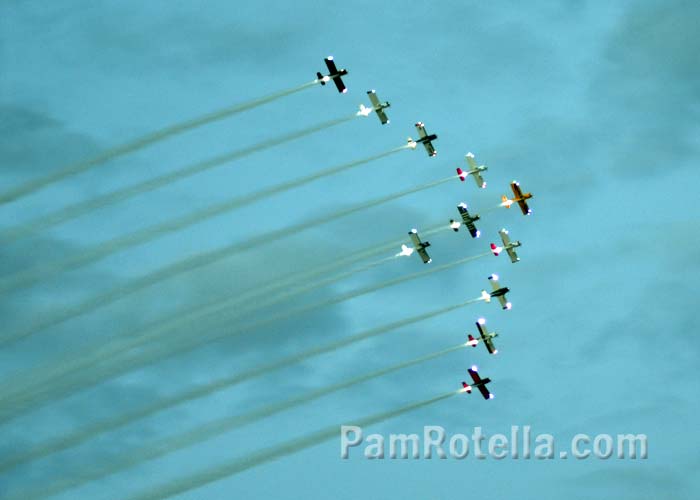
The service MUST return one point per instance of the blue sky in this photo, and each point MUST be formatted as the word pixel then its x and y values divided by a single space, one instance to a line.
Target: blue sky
pixel 593 107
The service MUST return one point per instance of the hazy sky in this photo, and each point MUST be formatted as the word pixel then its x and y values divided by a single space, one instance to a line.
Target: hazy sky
pixel 592 106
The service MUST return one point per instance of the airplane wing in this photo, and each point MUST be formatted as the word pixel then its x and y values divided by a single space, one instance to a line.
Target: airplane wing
pixel 340 85
pixel 524 208
pixel 480 383
pixel 486 338
pixel 504 302
pixel 330 64
pixel 373 99
pixel 504 237
pixel 415 239
pixel 429 148
pixel 513 256
pixel 517 193
pixel 424 255
pixel 480 182
pixel 471 161
pixel 421 130
pixel 493 279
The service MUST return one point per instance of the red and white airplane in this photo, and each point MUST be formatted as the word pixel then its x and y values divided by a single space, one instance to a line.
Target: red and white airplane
pixel 333 74
pixel 486 337
pixel 479 383
pixel 518 197
pixel 508 246
pixel 474 170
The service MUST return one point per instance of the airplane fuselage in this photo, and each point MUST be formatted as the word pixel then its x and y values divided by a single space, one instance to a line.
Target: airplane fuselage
pixel 331 76
pixel 427 138
pixel 501 291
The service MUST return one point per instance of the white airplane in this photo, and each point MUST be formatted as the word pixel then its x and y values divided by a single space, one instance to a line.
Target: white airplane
pixel 474 170
pixel 419 245
pixel 508 246
pixel 378 107
pixel 498 291
pixel 486 337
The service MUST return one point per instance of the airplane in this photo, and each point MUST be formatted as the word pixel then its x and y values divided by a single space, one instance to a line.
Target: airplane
pixel 518 197
pixel 498 292
pixel 334 74
pixel 486 337
pixel 378 107
pixel 425 139
pixel 508 246
pixel 474 170
pixel 467 219
pixel 419 245
pixel 479 383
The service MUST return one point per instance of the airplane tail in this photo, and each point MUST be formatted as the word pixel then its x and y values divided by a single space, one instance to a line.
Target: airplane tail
pixel 505 201
pixel 454 225
pixel 485 296
pixel 496 249
pixel 472 341
pixel 319 76
pixel 467 387
pixel 461 174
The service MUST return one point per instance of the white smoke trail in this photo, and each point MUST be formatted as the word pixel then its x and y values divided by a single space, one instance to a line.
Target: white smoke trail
pixel 250 460
pixel 142 142
pixel 95 429
pixel 217 427
pixel 76 210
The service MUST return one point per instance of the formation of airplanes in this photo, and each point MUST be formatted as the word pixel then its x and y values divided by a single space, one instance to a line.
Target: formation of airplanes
pixel 467 219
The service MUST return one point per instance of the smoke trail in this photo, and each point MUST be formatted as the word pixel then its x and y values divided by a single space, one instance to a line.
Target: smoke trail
pixel 236 466
pixel 84 207
pixel 109 365
pixel 170 271
pixel 205 311
pixel 142 142
pixel 220 426
pixel 37 273
pixel 86 433
pixel 102 355
pixel 33 275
